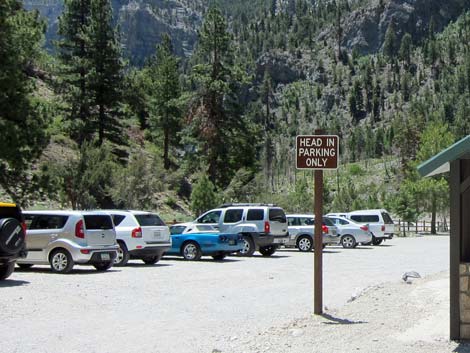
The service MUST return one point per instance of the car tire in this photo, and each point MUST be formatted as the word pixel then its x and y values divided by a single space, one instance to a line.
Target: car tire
pixel 122 256
pixel 151 260
pixel 377 241
pixel 61 261
pixel 348 241
pixel 6 270
pixel 25 266
pixel 191 251
pixel 305 243
pixel 103 266
pixel 219 257
pixel 12 236
pixel 268 250
pixel 248 246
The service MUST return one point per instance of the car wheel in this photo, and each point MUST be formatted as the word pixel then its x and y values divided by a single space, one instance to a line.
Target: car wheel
pixel 248 246
pixel 151 260
pixel 61 261
pixel 6 270
pixel 219 257
pixel 103 266
pixel 25 266
pixel 377 241
pixel 12 236
pixel 305 243
pixel 348 241
pixel 122 256
pixel 191 251
pixel 267 250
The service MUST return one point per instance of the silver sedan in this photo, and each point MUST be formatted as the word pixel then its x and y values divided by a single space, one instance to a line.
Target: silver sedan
pixel 351 233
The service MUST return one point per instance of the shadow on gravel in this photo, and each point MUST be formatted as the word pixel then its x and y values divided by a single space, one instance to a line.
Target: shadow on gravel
pixel 337 321
pixel 209 259
pixel 77 271
pixel 136 264
pixel 462 348
pixel 12 283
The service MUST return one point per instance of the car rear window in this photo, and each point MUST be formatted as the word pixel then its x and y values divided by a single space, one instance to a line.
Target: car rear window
pixel 150 219
pixel 277 215
pixel 365 218
pixel 255 214
pixel 93 222
pixel 328 222
pixel 387 218
pixel 45 221
pixel 177 229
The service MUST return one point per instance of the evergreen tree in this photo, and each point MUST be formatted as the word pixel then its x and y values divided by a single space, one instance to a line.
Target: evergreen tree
pixel 23 117
pixel 390 45
pixel 204 196
pixel 224 136
pixel 74 54
pixel 405 49
pixel 106 76
pixel 165 91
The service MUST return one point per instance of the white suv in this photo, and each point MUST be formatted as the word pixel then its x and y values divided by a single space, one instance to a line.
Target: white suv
pixel 380 223
pixel 263 226
pixel 140 235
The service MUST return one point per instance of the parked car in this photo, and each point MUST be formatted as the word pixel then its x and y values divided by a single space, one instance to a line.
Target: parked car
pixel 302 232
pixel 183 228
pixel 190 243
pixel 263 226
pixel 12 238
pixel 140 235
pixel 380 223
pixel 350 232
pixel 65 238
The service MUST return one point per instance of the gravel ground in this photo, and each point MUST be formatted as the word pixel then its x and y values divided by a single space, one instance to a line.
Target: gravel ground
pixel 240 305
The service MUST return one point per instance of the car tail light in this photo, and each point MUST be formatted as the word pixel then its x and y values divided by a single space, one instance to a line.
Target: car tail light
pixel 324 228
pixel 23 225
pixel 383 228
pixel 267 227
pixel 137 232
pixel 79 231
pixel 85 251
pixel 365 228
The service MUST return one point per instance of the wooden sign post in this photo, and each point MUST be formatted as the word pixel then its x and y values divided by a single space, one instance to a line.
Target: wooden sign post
pixel 317 152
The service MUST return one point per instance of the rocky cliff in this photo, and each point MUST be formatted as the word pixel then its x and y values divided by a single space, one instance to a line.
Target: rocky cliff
pixel 142 22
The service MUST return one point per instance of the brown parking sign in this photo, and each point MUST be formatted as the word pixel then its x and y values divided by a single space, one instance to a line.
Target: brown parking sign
pixel 317 151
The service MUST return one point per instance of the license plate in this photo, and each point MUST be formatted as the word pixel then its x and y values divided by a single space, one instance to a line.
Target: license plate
pixel 157 234
pixel 232 242
pixel 279 241
pixel 105 257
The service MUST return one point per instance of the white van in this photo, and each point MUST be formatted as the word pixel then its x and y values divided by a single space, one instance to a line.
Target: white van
pixel 380 223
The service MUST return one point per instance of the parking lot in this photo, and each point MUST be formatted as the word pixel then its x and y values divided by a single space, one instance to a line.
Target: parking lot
pixel 181 306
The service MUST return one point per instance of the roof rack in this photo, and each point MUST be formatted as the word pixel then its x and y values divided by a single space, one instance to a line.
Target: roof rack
pixel 247 204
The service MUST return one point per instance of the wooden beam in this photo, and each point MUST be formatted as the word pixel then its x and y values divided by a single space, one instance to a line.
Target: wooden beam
pixel 465 185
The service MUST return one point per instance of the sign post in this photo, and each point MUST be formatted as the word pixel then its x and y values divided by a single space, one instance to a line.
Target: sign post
pixel 317 152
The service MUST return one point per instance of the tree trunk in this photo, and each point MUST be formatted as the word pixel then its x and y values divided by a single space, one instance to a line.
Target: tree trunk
pixel 433 215
pixel 101 126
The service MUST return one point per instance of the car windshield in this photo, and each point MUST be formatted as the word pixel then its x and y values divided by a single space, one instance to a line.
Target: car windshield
pixel 149 219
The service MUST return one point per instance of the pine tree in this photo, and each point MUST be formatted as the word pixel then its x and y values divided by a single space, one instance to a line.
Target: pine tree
pixel 107 73
pixel 204 196
pixel 74 54
pixel 405 49
pixel 390 45
pixel 23 117
pixel 165 89
pixel 216 115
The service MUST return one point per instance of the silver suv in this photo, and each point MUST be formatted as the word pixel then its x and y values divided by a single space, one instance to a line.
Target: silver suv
pixel 263 226
pixel 64 238
pixel 140 235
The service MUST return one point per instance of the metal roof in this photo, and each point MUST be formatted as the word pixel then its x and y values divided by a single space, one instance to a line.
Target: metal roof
pixel 440 163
